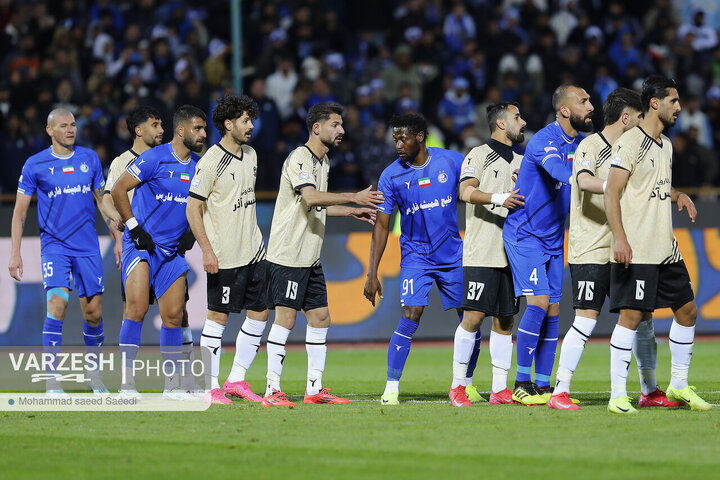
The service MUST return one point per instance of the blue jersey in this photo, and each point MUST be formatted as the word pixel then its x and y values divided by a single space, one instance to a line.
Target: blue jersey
pixel 66 210
pixel 161 197
pixel 426 197
pixel 544 181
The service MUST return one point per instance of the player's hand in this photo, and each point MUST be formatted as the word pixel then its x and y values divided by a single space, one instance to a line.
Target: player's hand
pixel 369 197
pixel 16 267
pixel 117 250
pixel 372 287
pixel 514 200
pixel 186 242
pixel 684 201
pixel 364 214
pixel 210 262
pixel 142 239
pixel 623 252
pixel 515 174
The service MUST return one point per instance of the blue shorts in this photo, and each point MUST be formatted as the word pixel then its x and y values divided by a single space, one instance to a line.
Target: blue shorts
pixel 535 272
pixel 165 267
pixel 63 271
pixel 416 282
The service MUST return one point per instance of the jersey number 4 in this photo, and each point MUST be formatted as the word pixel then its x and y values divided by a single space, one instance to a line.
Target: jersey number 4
pixel 475 289
pixel 588 288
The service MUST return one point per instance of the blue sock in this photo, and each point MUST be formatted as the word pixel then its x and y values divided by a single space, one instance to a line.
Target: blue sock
pixel 93 336
pixel 400 347
pixel 171 349
pixel 527 339
pixel 52 336
pixel 474 357
pixel 130 339
pixel 545 354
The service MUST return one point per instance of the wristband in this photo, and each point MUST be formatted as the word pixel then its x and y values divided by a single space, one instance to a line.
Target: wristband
pixel 131 223
pixel 604 185
pixel 499 198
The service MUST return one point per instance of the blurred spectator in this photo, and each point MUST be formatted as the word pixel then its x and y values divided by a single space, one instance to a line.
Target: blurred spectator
pixel 377 153
pixel 401 72
pixel 692 117
pixel 458 27
pixel 281 84
pixel 703 36
pixel 693 164
pixel 266 131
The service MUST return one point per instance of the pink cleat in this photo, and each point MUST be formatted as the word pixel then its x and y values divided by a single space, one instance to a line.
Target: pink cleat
pixel 657 399
pixel 216 397
pixel 502 397
pixel 562 401
pixel 241 390
pixel 458 397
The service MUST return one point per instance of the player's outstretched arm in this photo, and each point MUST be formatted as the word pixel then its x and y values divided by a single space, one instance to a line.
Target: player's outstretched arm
pixel 683 200
pixel 377 248
pixel 119 192
pixel 590 183
pixel 22 202
pixel 617 179
pixel 364 214
pixel 367 197
pixel 469 193
pixel 558 168
pixel 194 213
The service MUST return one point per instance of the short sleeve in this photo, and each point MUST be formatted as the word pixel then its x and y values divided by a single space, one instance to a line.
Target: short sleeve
pixel 203 182
pixel 113 174
pixel 98 179
pixel 585 160
pixel 300 173
pixel 27 184
pixel 143 168
pixel 385 186
pixel 472 166
pixel 624 156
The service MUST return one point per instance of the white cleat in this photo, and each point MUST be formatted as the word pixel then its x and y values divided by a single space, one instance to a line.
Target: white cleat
pixel 178 396
pixel 129 393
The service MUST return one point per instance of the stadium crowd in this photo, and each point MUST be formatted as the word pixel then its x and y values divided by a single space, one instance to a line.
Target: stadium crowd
pixel 445 59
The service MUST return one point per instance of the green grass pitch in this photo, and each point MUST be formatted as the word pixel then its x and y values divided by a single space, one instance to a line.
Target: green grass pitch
pixel 422 438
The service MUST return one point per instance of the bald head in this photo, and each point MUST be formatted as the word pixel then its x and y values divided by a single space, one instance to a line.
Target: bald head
pixel 62 130
pixel 57 114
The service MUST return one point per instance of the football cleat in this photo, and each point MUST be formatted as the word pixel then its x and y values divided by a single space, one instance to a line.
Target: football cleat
pixel 458 397
pixel 390 398
pixel 177 395
pixel 216 397
pixel 657 399
pixel 687 395
pixel 473 395
pixel 129 393
pixel 527 394
pixel 547 392
pixel 241 390
pixel 621 405
pixel 562 401
pixel 501 397
pixel 277 399
pixel 96 383
pixel 325 397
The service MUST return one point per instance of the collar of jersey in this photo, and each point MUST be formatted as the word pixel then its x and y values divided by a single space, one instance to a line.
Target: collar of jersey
pixel 242 152
pixel 563 134
pixel 421 166
pixel 178 158
pixel 62 157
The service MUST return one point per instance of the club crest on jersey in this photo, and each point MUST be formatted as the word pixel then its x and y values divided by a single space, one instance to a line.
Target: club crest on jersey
pixel 185 177
pixel 84 168
pixel 424 182
pixel 442 176
pixel 68 169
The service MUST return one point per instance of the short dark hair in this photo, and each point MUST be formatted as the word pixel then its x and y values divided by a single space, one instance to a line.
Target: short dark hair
pixel 185 113
pixel 496 110
pixel 655 86
pixel 321 112
pixel 618 100
pixel 138 116
pixel 560 93
pixel 231 107
pixel 414 122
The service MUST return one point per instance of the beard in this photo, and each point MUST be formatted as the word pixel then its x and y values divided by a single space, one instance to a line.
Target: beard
pixel 191 145
pixel 517 137
pixel 579 123
pixel 668 121
pixel 331 142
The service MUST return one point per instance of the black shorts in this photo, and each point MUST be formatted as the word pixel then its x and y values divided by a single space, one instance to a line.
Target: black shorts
pixel 489 290
pixel 590 285
pixel 300 288
pixel 649 287
pixel 237 289
pixel 151 300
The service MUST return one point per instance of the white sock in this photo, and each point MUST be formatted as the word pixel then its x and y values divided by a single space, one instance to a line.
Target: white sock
pixel 246 347
pixel 645 351
pixel 464 342
pixel 501 348
pixel 317 352
pixel 573 346
pixel 682 341
pixel 211 340
pixel 392 386
pixel 620 357
pixel 277 338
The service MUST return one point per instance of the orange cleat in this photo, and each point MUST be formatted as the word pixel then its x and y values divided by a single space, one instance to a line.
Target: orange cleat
pixel 277 399
pixel 562 401
pixel 458 397
pixel 501 397
pixel 325 397
pixel 657 399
